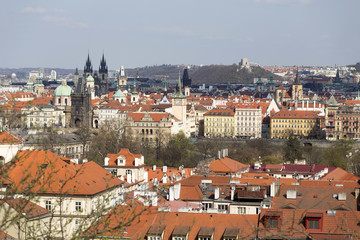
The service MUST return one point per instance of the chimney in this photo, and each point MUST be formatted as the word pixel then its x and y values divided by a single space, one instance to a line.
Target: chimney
pixel 357 191
pixel 133 178
pixel 106 161
pixel 171 193
pixel 146 176
pixel 137 162
pixel 342 196
pixel 177 188
pixel 164 169
pixel 272 189
pixel 232 192
pixel 291 194
pixel 216 193
pixel 164 178
pixel 154 168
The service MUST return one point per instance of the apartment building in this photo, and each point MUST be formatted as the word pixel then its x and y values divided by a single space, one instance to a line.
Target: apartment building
pixel 219 123
pixel 301 124
pixel 248 120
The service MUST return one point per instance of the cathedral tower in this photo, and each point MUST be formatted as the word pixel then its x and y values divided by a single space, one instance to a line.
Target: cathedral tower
pixel 88 69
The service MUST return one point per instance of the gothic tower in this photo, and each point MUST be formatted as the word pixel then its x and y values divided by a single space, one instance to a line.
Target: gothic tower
pixel 101 81
pixel 88 69
pixel 297 88
pixel 179 105
pixel 186 81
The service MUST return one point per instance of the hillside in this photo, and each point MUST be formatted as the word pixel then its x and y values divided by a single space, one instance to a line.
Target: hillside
pixel 227 74
pixel 206 74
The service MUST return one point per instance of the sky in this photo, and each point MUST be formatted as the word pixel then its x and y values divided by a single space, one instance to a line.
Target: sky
pixel 137 33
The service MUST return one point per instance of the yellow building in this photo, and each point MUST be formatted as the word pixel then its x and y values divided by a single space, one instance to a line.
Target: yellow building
pixel 285 123
pixel 219 123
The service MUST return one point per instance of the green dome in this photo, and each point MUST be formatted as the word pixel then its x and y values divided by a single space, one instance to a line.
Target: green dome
pixel 63 90
pixel 118 94
pixel 89 79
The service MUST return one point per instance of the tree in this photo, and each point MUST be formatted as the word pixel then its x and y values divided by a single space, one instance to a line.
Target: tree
pixel 293 149
pixel 179 151
pixel 337 154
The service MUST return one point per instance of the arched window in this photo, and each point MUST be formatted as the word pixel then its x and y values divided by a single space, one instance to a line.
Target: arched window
pixel 66 102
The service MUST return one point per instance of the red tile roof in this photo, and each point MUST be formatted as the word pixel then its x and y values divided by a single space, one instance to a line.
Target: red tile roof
pixel 129 157
pixel 292 114
pixel 9 138
pixel 53 175
pixel 226 165
pixel 156 117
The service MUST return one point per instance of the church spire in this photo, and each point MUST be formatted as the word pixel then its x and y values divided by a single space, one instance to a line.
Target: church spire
pixel 103 67
pixel 179 93
pixel 88 67
pixel 297 79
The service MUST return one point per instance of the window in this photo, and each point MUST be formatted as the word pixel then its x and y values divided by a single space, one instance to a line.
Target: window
pixel 178 238
pixel 222 207
pixel 48 205
pixel 272 222
pixel 207 205
pixel 154 237
pixel 241 210
pixel 204 238
pixel 128 172
pixel 313 223
pixel 78 206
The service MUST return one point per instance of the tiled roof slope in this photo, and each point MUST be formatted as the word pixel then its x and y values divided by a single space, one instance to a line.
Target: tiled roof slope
pixel 150 218
pixel 9 138
pixel 45 172
pixel 226 165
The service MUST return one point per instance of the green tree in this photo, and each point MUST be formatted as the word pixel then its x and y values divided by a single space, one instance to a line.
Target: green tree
pixel 336 155
pixel 293 149
pixel 179 151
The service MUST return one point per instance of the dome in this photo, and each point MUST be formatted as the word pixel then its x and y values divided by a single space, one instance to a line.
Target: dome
pixel 89 79
pixel 119 94
pixel 63 90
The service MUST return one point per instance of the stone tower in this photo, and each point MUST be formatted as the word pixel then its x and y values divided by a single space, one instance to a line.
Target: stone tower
pixel 101 80
pixel 186 81
pixel 122 79
pixel 259 85
pixel 271 84
pixel 297 88
pixel 179 104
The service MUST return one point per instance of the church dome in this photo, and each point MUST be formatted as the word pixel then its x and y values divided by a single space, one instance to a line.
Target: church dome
pixel 119 94
pixel 63 90
pixel 89 79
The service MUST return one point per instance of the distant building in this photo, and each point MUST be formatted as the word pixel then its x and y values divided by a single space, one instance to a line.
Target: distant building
pixel 219 123
pixel 295 123
pixel 53 75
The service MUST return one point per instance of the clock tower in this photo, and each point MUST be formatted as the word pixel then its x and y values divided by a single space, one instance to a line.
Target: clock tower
pixel 179 105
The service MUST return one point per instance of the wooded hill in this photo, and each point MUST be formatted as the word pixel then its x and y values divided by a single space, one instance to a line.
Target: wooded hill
pixel 206 74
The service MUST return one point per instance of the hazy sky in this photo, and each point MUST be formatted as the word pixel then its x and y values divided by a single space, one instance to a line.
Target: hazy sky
pixel 149 32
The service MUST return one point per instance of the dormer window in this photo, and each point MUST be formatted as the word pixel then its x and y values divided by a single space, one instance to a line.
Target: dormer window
pixel 231 234
pixel 180 233
pixel 313 221
pixel 155 232
pixel 271 219
pixel 206 233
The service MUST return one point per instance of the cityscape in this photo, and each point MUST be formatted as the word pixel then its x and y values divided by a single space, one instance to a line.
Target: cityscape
pixel 250 137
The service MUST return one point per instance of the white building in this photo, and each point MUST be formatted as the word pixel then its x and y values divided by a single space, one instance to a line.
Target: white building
pixel 248 120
